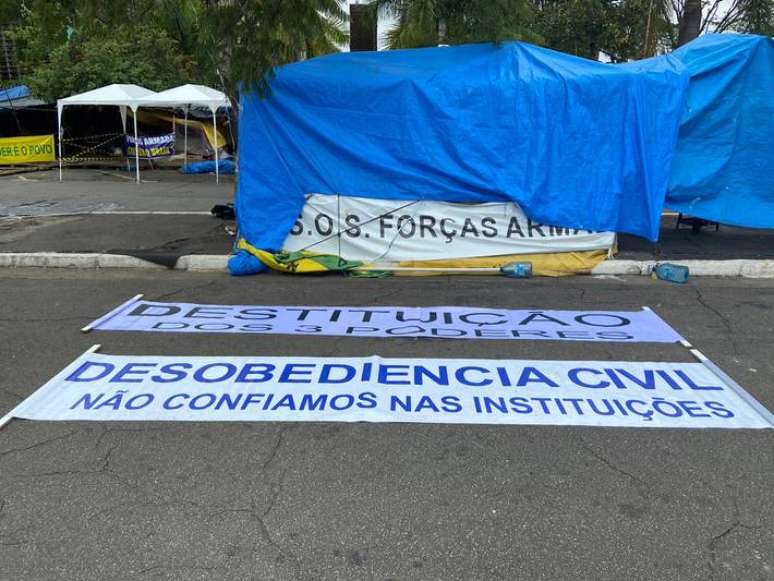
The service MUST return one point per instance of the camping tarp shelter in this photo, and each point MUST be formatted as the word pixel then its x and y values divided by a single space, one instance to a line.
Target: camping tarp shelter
pixel 122 96
pixel 13 93
pixel 186 96
pixel 574 142
pixel 18 97
pixel 724 162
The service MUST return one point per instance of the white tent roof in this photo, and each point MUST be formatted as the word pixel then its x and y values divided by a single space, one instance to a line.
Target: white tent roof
pixel 134 96
pixel 192 95
pixel 119 95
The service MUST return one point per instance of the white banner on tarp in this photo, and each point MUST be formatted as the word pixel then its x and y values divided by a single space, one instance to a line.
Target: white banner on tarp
pixel 394 230
pixel 433 322
pixel 372 389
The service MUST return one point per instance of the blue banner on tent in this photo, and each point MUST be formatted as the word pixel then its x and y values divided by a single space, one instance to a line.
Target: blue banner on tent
pixel 151 147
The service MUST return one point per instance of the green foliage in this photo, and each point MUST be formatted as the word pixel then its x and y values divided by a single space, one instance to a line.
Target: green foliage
pixel 433 22
pixel 579 27
pixel 417 23
pixel 70 46
pixel 621 30
pixel 758 17
pixel 490 20
pixel 41 28
pixel 247 39
pixel 140 55
pixel 10 12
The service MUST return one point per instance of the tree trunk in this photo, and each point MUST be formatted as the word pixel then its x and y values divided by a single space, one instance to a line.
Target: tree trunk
pixel 690 24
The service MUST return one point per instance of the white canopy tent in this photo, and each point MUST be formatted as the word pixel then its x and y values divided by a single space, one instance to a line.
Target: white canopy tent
pixel 122 96
pixel 187 96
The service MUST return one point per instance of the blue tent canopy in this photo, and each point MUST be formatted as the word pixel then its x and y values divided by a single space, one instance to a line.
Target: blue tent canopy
pixel 576 143
pixel 724 162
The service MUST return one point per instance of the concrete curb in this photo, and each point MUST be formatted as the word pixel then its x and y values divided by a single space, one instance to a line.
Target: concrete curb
pixel 202 262
pixel 72 260
pixel 742 268
pixel 217 262
pixel 100 260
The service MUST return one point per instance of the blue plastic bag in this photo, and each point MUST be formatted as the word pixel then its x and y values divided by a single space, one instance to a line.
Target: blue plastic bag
pixel 225 167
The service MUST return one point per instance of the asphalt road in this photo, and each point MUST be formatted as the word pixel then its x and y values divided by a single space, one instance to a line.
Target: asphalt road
pixel 381 501
pixel 90 190
pixel 38 213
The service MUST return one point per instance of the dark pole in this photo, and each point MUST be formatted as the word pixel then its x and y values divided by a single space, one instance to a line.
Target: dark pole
pixel 13 111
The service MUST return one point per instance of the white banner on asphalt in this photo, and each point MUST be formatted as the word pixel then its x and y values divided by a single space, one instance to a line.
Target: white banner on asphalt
pixel 396 230
pixel 433 322
pixel 372 389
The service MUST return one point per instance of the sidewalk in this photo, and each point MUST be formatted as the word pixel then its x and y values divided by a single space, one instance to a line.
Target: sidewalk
pixel 164 238
pixel 90 190
pixel 167 218
pixel 158 238
pixel 728 243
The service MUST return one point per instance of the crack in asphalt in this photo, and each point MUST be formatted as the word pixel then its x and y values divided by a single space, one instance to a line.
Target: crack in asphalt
pixel 104 469
pixel 381 297
pixel 713 543
pixel 4 453
pixel 147 504
pixel 726 323
pixel 258 516
pixel 612 465
pixel 4 542
pixel 274 449
pixel 185 289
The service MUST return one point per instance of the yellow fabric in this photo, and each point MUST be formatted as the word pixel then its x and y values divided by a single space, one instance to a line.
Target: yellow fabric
pixel 550 264
pixel 305 265
pixel 205 127
pixel 26 149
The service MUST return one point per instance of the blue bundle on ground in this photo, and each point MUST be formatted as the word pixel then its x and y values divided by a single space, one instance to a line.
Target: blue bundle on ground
pixel 225 167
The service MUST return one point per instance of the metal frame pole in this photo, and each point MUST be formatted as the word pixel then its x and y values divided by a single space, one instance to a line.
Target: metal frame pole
pixel 136 147
pixel 215 138
pixel 60 110
pixel 185 139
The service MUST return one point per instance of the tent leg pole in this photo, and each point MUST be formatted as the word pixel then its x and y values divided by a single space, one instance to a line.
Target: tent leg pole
pixel 60 154
pixel 185 140
pixel 59 117
pixel 215 137
pixel 136 147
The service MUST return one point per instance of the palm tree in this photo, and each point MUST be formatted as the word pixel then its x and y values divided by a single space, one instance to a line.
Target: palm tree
pixel 432 22
pixel 248 39
pixel 419 23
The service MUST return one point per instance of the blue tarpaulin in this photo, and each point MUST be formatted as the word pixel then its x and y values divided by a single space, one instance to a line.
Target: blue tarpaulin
pixel 225 167
pixel 724 163
pixel 13 93
pixel 576 143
